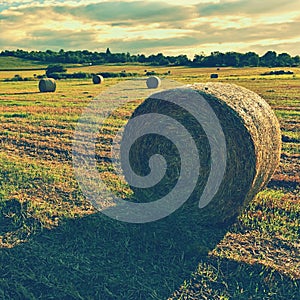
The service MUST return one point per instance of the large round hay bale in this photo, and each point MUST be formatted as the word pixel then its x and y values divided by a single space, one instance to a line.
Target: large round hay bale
pixel 214 75
pixel 251 147
pixel 47 85
pixel 98 79
pixel 153 82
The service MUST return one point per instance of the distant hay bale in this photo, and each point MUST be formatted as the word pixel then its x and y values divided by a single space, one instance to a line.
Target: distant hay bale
pixel 153 82
pixel 253 144
pixel 98 79
pixel 214 76
pixel 47 85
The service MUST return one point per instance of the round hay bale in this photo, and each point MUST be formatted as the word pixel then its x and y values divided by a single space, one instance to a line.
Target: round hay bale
pixel 47 85
pixel 251 134
pixel 153 82
pixel 98 79
pixel 214 76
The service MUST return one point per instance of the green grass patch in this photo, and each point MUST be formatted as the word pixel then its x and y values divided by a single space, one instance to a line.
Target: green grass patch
pixel 273 214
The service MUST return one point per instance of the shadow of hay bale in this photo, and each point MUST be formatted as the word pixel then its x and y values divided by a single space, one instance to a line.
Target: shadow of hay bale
pixel 98 258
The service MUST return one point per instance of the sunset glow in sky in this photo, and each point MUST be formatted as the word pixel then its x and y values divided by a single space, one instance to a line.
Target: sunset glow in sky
pixel 152 26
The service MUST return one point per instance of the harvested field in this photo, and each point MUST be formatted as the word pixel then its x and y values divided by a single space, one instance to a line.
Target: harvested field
pixel 73 252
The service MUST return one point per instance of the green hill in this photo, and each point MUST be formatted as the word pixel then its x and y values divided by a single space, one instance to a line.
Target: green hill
pixel 10 63
pixel 14 63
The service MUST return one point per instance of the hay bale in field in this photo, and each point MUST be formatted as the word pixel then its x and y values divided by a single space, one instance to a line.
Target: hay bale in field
pixel 47 85
pixel 214 76
pixel 98 79
pixel 252 152
pixel 153 82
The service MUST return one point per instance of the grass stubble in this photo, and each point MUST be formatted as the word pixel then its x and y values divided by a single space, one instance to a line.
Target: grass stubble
pixel 55 245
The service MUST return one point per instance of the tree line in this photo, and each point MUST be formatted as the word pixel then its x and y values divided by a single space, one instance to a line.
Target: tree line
pixel 215 59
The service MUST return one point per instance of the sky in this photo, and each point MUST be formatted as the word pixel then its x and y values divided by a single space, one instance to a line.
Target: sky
pixel 152 26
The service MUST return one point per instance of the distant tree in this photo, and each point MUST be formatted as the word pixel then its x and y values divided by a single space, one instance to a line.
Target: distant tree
pixel 182 60
pixel 253 59
pixel 158 60
pixel 284 60
pixel 50 52
pixel 57 68
pixel 198 59
pixel 141 58
pixel 269 59
pixel 231 59
pixel 296 60
pixel 8 53
pixel 249 59
pixel 215 59
pixel 118 58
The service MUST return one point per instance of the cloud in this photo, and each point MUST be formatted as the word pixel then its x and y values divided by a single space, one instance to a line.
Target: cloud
pixel 117 11
pixel 208 33
pixel 281 46
pixel 154 45
pixel 247 7
pixel 150 26
pixel 54 40
pixel 102 22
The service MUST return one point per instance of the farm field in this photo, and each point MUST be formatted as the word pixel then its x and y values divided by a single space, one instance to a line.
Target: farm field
pixel 54 245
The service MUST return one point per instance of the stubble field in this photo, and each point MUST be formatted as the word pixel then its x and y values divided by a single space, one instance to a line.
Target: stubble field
pixel 56 246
